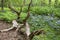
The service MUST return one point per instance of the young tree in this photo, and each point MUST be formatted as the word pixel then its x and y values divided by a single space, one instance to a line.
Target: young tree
pixel 23 34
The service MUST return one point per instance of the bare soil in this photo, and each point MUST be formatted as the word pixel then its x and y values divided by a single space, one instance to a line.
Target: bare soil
pixel 10 35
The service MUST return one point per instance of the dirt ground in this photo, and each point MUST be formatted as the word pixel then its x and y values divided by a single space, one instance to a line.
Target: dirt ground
pixel 10 35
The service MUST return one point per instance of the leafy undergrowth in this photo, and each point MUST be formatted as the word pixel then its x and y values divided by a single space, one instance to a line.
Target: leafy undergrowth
pixel 46 10
pixel 47 20
pixel 8 16
pixel 51 26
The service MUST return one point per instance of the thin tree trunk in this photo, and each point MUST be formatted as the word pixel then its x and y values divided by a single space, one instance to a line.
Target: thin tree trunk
pixel 49 2
pixel 56 1
pixel 2 5
pixel 42 2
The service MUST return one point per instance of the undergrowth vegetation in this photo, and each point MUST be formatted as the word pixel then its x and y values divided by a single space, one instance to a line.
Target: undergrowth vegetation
pixel 8 15
pixel 46 18
pixel 47 23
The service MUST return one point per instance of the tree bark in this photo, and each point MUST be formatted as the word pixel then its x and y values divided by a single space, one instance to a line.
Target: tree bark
pixel 2 5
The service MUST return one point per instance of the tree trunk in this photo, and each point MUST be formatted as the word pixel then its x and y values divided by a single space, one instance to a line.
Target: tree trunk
pixel 56 1
pixel 2 5
pixel 49 2
pixel 22 35
pixel 42 2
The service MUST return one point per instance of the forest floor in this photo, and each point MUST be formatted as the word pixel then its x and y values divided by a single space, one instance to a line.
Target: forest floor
pixel 10 35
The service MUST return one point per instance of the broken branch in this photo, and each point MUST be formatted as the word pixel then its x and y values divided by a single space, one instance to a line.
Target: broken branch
pixel 36 33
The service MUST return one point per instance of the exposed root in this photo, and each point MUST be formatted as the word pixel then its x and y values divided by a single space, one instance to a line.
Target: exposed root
pixel 6 30
pixel 15 26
